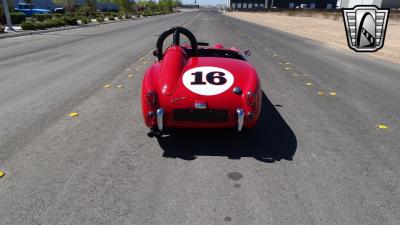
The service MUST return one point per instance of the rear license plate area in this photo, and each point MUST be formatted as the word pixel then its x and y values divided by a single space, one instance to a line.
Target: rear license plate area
pixel 201 115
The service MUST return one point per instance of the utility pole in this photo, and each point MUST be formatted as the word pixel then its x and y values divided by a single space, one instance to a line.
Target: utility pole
pixel 7 13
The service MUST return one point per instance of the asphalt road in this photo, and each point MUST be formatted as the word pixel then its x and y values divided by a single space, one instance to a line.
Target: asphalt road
pixel 313 158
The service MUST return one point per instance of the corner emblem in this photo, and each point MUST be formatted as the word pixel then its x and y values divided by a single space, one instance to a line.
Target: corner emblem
pixel 365 27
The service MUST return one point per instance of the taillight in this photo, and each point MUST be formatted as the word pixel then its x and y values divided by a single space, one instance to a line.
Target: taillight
pixel 151 97
pixel 251 98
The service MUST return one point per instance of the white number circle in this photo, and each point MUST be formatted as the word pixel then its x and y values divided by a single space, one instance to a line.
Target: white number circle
pixel 207 80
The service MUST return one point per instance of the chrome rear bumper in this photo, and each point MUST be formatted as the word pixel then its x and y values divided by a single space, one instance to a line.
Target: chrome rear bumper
pixel 160 118
pixel 240 118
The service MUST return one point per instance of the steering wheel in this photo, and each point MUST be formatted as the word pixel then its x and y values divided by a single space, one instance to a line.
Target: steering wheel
pixel 176 31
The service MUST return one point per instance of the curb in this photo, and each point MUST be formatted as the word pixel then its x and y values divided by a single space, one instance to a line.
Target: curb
pixel 26 33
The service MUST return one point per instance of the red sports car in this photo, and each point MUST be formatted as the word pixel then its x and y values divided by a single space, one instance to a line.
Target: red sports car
pixel 192 87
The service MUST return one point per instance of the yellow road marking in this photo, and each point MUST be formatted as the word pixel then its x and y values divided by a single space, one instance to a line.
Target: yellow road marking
pixel 321 93
pixel 333 93
pixel 107 86
pixel 130 75
pixel 120 86
pixel 383 126
pixel 73 114
pixel 2 173
pixel 309 84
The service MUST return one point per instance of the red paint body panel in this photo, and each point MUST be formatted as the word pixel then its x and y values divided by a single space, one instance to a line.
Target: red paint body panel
pixel 164 78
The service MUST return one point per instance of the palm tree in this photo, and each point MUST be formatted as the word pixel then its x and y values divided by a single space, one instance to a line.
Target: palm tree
pixel 91 4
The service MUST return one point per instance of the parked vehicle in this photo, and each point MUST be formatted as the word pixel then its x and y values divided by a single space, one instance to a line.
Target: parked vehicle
pixel 29 10
pixel 59 10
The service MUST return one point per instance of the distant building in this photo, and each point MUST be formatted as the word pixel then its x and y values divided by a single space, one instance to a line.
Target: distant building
pixel 311 4
pixel 247 4
pixel 49 4
pixel 254 4
pixel 378 3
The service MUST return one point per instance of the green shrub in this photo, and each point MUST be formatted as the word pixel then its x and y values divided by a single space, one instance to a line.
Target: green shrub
pixel 42 17
pixel 100 19
pixel 86 10
pixel 99 14
pixel 58 22
pixel 27 26
pixel 51 23
pixel 113 14
pixel 39 25
pixel 85 20
pixel 72 21
pixel 33 25
pixel 17 17
pixel 58 15
pixel 2 28
pixel 120 16
pixel 46 24
pixel 111 18
pixel 61 22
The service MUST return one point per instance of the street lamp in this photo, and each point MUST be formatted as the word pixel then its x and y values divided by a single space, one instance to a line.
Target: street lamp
pixel 7 13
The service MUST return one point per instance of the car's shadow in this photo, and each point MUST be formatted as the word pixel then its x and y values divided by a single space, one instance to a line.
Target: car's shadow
pixel 271 140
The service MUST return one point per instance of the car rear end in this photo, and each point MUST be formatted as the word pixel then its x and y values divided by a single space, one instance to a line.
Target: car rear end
pixel 210 93
pixel 236 108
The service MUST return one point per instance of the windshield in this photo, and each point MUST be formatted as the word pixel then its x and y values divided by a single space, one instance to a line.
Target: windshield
pixel 26 6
